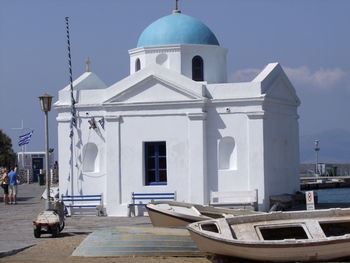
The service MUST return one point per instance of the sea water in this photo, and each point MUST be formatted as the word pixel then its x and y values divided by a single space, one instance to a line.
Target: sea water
pixel 333 195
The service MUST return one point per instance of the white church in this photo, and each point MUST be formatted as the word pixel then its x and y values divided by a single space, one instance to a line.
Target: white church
pixel 176 125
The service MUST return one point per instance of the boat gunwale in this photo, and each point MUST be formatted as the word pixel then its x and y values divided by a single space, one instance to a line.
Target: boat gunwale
pixel 272 244
pixel 180 216
pixel 289 215
pixel 207 209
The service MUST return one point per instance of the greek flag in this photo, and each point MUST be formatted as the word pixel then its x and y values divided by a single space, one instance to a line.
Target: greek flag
pixel 25 139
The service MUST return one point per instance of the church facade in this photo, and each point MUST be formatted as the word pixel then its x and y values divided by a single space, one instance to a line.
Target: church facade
pixel 175 124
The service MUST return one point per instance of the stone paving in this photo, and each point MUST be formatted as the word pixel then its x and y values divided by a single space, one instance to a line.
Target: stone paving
pixel 16 230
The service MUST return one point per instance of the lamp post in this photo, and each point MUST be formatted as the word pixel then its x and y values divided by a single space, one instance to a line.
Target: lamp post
pixel 45 104
pixel 317 149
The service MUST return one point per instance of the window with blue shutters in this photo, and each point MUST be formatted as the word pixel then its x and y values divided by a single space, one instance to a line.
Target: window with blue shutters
pixel 155 163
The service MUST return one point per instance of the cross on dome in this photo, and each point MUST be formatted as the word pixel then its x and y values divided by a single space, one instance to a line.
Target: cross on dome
pixel 177 10
pixel 87 62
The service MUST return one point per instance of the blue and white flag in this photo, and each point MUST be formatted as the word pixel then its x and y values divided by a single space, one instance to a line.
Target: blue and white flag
pixel 25 139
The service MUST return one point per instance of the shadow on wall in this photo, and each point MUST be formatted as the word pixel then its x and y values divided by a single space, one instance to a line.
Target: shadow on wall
pixel 216 123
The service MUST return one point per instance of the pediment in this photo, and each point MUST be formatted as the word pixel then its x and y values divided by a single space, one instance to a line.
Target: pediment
pixel 282 90
pixel 154 89
pixel 276 85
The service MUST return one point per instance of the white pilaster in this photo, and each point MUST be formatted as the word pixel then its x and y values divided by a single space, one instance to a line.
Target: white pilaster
pixel 256 157
pixel 64 155
pixel 113 189
pixel 197 162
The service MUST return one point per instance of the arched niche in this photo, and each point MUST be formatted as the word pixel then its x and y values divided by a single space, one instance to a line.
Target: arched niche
pixel 137 65
pixel 227 154
pixel 90 158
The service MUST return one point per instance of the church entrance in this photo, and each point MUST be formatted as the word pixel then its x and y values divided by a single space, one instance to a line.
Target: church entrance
pixel 37 164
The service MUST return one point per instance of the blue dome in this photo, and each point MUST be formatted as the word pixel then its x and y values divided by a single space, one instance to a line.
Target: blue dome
pixel 177 29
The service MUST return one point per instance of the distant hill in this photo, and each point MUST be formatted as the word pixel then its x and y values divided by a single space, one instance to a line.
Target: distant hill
pixel 334 144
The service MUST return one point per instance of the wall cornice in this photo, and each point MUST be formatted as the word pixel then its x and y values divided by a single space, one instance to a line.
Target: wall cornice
pixel 155 49
pixel 112 118
pixel 197 116
pixel 63 118
pixel 256 115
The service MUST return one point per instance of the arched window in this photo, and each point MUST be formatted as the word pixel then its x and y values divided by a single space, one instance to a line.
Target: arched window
pixel 227 154
pixel 90 160
pixel 137 65
pixel 197 69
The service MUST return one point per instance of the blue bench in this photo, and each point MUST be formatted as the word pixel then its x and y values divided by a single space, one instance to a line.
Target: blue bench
pixel 84 201
pixel 139 198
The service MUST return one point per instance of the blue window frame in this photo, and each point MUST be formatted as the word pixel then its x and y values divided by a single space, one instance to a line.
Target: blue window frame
pixel 155 163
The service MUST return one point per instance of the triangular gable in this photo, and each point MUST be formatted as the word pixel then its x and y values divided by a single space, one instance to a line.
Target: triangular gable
pixel 87 80
pixel 276 85
pixel 154 84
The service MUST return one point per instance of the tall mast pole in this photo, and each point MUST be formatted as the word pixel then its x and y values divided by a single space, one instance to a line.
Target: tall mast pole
pixel 73 111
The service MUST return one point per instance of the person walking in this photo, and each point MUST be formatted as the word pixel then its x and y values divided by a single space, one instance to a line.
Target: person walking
pixel 5 185
pixel 12 176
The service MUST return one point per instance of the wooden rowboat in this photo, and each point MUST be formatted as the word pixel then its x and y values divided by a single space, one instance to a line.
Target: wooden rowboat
pixel 180 214
pixel 279 236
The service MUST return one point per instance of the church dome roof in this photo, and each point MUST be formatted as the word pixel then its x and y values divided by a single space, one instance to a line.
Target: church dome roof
pixel 177 28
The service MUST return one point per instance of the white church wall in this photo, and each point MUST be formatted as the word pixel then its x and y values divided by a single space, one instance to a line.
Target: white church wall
pixel 167 56
pixel 198 162
pixel 221 125
pixel 255 148
pixel 135 131
pixel 90 145
pixel 234 90
pixel 281 153
pixel 179 58
pixel 88 177
pixel 64 155
pixel 112 163
pixel 214 62
pixel 90 96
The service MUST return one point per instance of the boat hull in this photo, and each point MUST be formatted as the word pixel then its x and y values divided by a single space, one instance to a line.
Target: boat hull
pixel 180 214
pixel 161 219
pixel 302 252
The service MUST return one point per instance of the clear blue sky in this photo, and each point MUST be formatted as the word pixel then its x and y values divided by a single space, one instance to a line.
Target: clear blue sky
pixel 309 38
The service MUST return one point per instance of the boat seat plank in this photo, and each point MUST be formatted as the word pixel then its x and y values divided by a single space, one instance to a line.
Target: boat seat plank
pixel 245 232
pixel 315 229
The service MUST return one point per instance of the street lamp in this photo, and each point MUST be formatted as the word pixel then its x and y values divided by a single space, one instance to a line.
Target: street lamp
pixel 317 149
pixel 45 104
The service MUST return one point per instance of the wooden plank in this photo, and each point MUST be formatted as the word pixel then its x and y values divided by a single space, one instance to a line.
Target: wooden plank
pixel 137 241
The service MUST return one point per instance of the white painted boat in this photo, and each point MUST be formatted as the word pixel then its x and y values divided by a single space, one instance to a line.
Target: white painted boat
pixel 279 236
pixel 180 214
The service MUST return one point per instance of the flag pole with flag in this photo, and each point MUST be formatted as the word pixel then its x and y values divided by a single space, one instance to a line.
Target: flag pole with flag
pixel 25 138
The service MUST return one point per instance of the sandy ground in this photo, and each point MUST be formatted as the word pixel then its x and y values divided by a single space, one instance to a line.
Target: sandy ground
pixel 56 250
pixel 16 233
